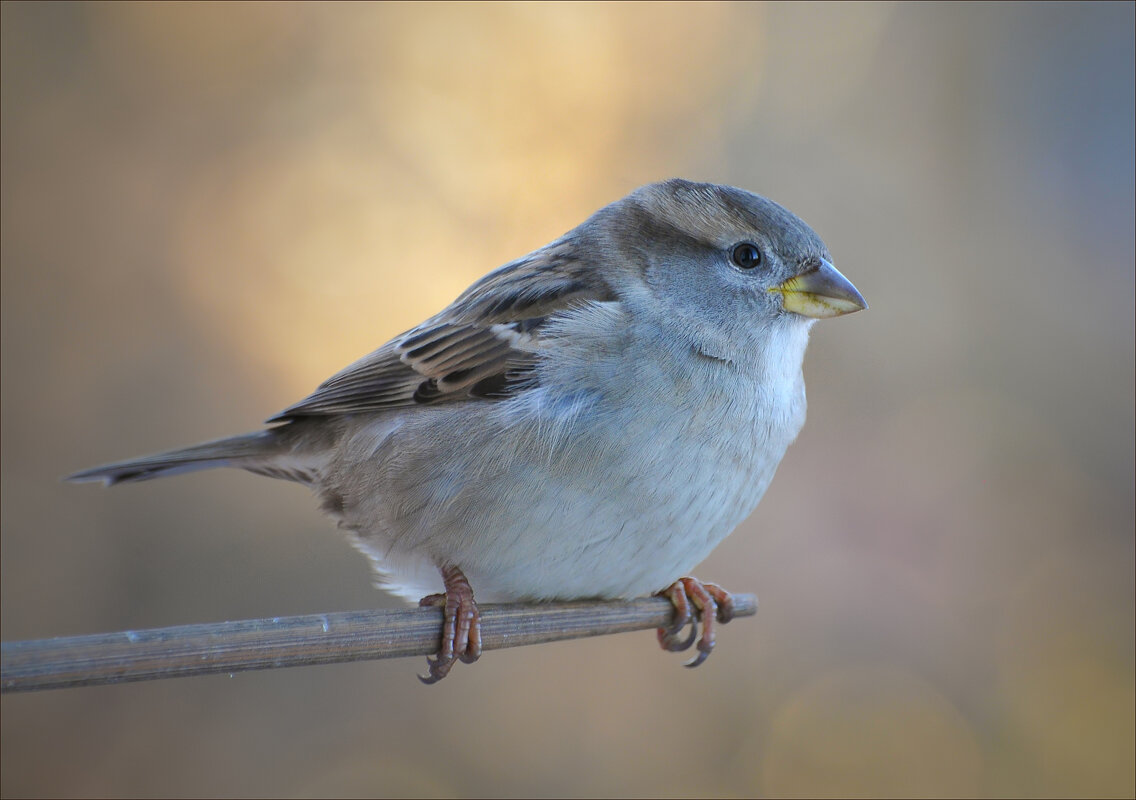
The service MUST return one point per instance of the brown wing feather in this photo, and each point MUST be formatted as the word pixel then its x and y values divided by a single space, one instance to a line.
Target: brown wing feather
pixel 484 346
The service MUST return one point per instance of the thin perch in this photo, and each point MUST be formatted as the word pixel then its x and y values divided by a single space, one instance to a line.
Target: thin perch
pixel 331 638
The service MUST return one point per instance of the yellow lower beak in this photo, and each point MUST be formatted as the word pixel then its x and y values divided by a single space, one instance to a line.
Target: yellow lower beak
pixel 820 292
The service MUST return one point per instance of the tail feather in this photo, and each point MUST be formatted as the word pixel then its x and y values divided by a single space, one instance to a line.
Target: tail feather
pixel 231 452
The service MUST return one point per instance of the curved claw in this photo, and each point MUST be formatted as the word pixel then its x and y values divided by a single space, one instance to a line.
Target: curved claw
pixel 694 662
pixel 703 654
pixel 668 638
pixel 438 670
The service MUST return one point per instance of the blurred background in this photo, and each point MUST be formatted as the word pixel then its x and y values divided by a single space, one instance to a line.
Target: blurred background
pixel 208 209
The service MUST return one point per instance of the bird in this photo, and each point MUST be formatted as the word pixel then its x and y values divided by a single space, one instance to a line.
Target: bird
pixel 586 422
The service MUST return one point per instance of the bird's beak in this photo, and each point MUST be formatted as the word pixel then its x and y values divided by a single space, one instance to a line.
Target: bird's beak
pixel 820 292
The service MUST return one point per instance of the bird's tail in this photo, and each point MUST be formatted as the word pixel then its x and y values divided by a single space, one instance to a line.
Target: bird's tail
pixel 249 451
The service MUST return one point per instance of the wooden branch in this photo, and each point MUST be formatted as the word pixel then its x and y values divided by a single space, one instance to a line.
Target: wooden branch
pixel 331 638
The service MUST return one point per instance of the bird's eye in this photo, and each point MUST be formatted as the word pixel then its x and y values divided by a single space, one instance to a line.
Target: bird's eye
pixel 745 255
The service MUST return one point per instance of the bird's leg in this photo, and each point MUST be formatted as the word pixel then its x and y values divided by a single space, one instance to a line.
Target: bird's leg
pixel 461 627
pixel 714 605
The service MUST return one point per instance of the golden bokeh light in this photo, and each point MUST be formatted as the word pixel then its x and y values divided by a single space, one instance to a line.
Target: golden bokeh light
pixel 209 208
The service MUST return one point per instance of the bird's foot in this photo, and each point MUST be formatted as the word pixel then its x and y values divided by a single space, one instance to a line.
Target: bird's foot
pixel 461 628
pixel 712 605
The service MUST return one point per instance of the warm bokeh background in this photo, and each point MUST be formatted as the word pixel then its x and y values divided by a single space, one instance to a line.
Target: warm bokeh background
pixel 207 209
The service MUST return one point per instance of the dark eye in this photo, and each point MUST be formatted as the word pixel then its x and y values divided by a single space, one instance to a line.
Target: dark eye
pixel 745 255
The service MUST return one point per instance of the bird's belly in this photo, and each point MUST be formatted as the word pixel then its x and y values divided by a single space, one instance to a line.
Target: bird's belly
pixel 590 542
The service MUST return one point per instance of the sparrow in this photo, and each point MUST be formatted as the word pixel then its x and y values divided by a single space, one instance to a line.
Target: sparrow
pixel 587 421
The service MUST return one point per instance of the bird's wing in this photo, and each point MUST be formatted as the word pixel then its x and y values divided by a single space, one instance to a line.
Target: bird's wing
pixel 484 345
